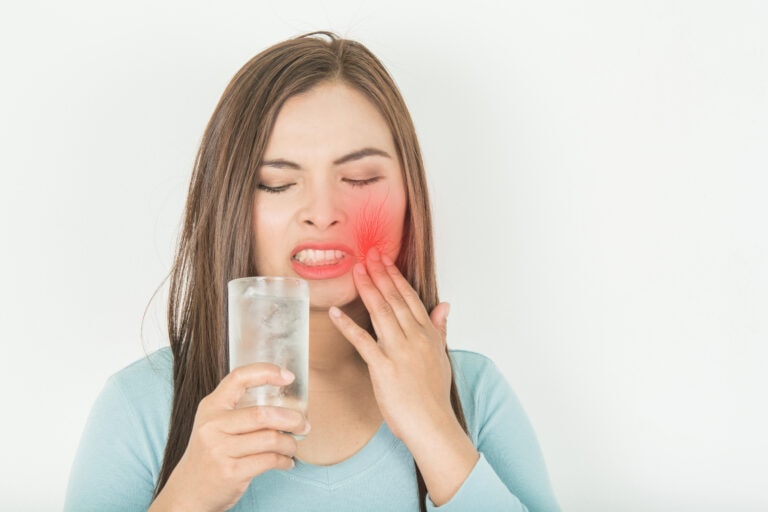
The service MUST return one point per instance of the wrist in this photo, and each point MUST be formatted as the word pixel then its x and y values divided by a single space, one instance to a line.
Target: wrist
pixel 429 425
pixel 445 456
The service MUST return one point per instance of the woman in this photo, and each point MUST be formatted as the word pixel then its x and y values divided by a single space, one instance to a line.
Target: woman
pixel 310 167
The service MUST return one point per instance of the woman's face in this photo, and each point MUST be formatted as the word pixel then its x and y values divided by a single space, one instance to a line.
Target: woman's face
pixel 330 188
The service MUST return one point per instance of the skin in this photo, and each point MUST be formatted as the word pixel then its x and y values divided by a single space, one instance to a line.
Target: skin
pixel 401 376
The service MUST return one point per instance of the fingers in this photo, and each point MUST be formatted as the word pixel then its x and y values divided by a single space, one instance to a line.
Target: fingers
pixel 267 441
pixel 392 311
pixel 406 290
pixel 383 315
pixel 259 433
pixel 366 346
pixel 396 309
pixel 250 419
pixel 253 465
pixel 233 386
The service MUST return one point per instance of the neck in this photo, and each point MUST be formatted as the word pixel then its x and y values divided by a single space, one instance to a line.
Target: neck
pixel 330 353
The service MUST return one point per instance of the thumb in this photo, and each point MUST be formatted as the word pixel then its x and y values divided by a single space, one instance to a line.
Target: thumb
pixel 439 318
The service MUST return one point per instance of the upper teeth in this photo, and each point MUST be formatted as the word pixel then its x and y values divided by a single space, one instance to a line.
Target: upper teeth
pixel 318 257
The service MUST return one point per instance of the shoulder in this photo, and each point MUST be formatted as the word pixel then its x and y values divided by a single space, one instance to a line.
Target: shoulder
pixel 156 365
pixel 141 393
pixel 150 376
pixel 137 400
pixel 484 392
pixel 469 359
pixel 472 369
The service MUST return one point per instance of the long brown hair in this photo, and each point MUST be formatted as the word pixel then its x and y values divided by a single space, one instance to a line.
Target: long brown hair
pixel 216 243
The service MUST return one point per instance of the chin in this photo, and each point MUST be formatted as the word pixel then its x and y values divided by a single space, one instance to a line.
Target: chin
pixel 327 293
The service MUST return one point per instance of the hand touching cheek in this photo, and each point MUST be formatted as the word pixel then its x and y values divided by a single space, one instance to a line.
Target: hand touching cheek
pixel 408 363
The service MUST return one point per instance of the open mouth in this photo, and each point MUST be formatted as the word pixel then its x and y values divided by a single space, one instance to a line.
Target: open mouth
pixel 322 260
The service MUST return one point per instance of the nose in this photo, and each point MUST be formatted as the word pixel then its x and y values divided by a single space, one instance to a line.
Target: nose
pixel 322 208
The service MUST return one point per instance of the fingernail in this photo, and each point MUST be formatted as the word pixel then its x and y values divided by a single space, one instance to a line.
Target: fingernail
pixel 359 269
pixel 373 254
pixel 287 374
pixel 307 429
pixel 387 261
pixel 335 312
pixel 447 309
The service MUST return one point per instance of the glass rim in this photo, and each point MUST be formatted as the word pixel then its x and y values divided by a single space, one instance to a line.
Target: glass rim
pixel 284 279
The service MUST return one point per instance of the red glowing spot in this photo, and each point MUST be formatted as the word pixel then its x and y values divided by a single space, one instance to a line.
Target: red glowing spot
pixel 371 230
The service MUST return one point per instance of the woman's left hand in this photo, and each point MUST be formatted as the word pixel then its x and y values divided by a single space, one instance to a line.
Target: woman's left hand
pixel 409 366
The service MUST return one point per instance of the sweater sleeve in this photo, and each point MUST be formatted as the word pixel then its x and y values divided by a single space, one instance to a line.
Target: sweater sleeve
pixel 510 474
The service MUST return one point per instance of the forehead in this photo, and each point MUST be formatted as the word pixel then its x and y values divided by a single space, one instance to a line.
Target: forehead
pixel 327 121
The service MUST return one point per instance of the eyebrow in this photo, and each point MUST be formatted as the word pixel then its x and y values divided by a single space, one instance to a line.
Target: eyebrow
pixel 281 163
pixel 362 153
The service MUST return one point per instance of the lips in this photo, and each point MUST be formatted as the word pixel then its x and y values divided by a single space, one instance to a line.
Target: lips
pixel 321 260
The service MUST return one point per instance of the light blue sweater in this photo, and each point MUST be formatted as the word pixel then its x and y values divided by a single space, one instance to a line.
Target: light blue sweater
pixel 121 451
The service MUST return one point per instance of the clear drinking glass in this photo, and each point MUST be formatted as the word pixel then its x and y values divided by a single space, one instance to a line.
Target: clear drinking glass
pixel 269 322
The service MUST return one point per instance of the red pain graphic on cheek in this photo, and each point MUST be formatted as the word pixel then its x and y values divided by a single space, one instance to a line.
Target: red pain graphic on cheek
pixel 371 229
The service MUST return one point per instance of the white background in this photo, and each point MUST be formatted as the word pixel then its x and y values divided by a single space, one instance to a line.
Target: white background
pixel 598 172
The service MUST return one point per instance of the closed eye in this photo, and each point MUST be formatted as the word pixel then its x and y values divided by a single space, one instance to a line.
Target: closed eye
pixel 362 183
pixel 275 190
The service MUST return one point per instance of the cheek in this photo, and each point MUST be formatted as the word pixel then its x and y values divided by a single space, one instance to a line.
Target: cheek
pixel 378 223
pixel 267 226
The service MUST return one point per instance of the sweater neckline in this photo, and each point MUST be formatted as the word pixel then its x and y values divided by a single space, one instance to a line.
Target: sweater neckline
pixel 378 447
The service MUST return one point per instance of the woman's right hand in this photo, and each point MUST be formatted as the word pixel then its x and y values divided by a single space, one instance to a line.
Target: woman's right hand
pixel 228 447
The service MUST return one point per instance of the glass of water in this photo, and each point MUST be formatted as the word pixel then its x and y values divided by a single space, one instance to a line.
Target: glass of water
pixel 269 323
